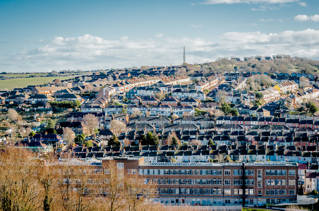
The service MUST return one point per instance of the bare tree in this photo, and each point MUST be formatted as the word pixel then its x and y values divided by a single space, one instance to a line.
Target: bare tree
pixel 173 140
pixel 196 142
pixel 303 82
pixel 13 115
pixel 90 124
pixel 18 191
pixel 117 127
pixel 136 112
pixel 68 135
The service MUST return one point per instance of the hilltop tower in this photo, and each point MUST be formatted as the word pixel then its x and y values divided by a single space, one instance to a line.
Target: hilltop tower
pixel 184 56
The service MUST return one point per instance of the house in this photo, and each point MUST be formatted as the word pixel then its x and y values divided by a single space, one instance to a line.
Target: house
pixel 67 97
pixel 288 86
pixel 308 95
pixel 91 108
pixel 61 92
pixel 188 102
pixel 114 109
pixel 48 139
pixel 183 110
pixel 311 182
pixel 270 95
pixel 188 93
pixel 15 99
pixel 148 100
pixel 170 101
pixel 161 110
pixel 36 98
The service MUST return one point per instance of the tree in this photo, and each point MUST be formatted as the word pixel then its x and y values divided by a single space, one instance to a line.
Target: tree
pixel 114 141
pixel 117 127
pixel 90 124
pixel 68 135
pixel 311 108
pixel 149 139
pixel 303 82
pixel 79 139
pixel 13 115
pixel 258 95
pixel 226 108
pixel 127 191
pixel 18 191
pixel 51 124
pixel 211 142
pixel 32 133
pixel 136 112
pixel 173 140
pixel 234 112
pixel 30 183
pixel 196 142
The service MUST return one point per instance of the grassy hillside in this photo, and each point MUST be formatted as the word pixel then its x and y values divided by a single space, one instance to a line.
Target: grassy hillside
pixel 23 82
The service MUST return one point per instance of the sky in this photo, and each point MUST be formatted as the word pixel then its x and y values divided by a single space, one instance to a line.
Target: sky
pixel 41 36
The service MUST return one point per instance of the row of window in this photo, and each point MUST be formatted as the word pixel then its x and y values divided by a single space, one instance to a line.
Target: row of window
pixel 180 172
pixel 165 181
pixel 205 191
pixel 217 191
pixel 189 181
pixel 227 172
pixel 280 172
pixel 279 182
pixel 279 192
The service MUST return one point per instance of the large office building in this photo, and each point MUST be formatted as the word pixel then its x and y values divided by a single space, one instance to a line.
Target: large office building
pixel 216 184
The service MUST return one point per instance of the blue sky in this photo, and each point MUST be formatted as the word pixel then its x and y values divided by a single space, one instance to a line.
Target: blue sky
pixel 37 35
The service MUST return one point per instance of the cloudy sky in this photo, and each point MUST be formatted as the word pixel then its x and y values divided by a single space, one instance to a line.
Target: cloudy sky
pixel 38 35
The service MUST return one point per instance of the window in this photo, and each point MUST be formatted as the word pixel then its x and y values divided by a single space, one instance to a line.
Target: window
pixel 283 182
pixel 161 172
pixel 227 182
pixel 238 182
pixel 260 173
pixel 237 172
pixel 249 172
pixel 227 191
pixel 249 182
pixel 292 172
pixel 291 182
pixel 131 171
pixel 227 172
pixel 120 165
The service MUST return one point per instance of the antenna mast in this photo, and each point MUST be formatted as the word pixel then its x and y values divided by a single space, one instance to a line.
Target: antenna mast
pixel 184 56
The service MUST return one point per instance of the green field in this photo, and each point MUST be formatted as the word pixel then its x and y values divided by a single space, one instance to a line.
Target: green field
pixel 23 82
pixel 22 75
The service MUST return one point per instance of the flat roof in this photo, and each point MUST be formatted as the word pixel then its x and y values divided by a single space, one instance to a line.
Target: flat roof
pixel 219 164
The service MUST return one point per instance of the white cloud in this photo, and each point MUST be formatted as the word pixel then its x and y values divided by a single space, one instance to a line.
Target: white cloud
pixel 92 52
pixel 315 18
pixel 303 18
pixel 303 4
pixel 196 26
pixel 249 1
pixel 160 35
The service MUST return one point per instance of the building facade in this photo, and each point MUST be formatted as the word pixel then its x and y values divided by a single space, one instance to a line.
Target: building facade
pixel 217 184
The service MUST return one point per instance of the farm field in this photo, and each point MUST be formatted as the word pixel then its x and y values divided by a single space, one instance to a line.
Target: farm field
pixel 23 82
